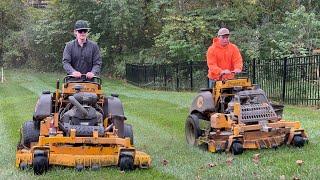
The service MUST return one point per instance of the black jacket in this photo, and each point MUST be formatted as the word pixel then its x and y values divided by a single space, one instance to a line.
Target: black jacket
pixel 83 59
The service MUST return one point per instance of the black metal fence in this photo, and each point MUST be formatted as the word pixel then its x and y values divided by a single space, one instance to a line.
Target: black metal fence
pixel 289 80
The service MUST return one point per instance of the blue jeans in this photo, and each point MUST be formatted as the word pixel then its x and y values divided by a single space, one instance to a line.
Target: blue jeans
pixel 211 83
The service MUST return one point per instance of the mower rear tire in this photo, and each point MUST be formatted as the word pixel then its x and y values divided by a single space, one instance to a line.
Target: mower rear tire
pixel 192 130
pixel 236 148
pixel 128 132
pixel 126 163
pixel 298 141
pixel 29 133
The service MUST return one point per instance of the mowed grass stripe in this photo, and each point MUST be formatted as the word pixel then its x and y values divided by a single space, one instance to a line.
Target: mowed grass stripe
pixel 158 122
pixel 152 111
pixel 15 108
pixel 20 97
pixel 309 119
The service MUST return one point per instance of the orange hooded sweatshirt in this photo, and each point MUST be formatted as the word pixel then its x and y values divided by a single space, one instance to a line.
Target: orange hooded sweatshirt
pixel 220 58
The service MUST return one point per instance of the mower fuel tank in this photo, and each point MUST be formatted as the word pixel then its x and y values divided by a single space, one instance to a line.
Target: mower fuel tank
pixel 203 102
pixel 43 107
pixel 113 106
pixel 278 108
pixel 86 98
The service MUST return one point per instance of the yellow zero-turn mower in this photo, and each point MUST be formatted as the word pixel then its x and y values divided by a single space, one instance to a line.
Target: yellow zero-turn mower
pixel 235 115
pixel 78 126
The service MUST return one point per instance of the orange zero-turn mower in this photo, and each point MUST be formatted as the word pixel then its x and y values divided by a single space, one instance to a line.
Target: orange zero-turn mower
pixel 78 126
pixel 236 115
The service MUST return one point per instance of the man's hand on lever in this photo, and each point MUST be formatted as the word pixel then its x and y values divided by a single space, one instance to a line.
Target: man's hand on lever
pixel 236 71
pixel 89 75
pixel 226 71
pixel 76 74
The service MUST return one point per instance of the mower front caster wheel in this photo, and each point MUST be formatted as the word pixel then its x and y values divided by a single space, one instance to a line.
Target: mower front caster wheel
pixel 236 148
pixel 126 163
pixel 298 141
pixel 23 166
pixel 79 167
pixel 40 163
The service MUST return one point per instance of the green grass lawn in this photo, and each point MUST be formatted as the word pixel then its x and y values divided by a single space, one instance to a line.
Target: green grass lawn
pixel 158 119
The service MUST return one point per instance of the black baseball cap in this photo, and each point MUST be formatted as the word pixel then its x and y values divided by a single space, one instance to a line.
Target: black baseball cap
pixel 81 24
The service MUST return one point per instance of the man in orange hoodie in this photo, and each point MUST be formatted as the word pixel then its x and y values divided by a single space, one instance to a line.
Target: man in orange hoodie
pixel 223 58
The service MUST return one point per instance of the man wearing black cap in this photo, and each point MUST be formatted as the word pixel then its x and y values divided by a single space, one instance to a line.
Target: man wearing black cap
pixel 81 55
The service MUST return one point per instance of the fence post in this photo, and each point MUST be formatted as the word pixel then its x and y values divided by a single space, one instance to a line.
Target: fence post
pixel 284 79
pixel 177 74
pixel 191 76
pixel 254 70
pixel 2 75
pixel 165 76
pixel 139 73
pixel 154 74
pixel 145 73
pixel 126 75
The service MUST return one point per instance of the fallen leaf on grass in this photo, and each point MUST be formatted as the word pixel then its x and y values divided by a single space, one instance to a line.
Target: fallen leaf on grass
pixel 164 162
pixel 229 161
pixel 299 162
pixel 282 177
pixel 210 165
pixel 256 158
pixel 295 178
pixel 198 177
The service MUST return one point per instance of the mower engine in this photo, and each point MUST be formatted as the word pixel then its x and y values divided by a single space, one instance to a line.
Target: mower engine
pixel 83 114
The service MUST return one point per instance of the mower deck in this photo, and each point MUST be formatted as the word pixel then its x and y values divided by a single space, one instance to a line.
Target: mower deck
pixel 251 136
pixel 83 151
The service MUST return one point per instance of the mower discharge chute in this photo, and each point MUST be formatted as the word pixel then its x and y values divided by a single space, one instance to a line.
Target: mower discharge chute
pixel 236 115
pixel 78 127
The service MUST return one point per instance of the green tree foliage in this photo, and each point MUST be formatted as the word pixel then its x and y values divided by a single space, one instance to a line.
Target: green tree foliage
pixel 121 28
pixel 297 35
pixel 156 31
pixel 12 17
pixel 182 38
